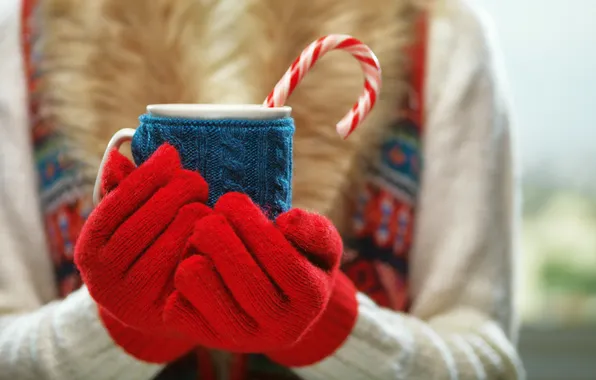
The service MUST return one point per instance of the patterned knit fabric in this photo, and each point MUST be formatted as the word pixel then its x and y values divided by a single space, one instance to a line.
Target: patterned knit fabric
pixel 65 194
pixel 250 156
pixel 377 259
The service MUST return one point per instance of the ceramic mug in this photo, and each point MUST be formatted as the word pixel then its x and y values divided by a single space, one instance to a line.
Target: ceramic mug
pixel 238 147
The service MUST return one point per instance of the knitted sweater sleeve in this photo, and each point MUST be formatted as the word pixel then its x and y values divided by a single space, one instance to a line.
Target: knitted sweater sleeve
pixel 64 340
pixel 460 325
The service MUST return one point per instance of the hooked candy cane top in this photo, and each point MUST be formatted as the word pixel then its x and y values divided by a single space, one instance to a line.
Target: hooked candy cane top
pixel 309 57
pixel 455 329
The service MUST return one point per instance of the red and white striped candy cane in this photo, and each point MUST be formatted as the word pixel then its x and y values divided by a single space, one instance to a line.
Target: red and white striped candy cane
pixel 307 59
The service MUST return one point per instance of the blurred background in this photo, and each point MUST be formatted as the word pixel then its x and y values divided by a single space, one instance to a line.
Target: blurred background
pixel 550 59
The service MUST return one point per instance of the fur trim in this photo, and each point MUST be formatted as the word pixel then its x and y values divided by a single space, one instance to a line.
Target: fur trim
pixel 105 60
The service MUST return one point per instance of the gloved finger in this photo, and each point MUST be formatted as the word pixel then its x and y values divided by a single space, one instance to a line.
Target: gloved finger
pixel 116 169
pixel 197 280
pixel 133 192
pixel 299 280
pixel 119 204
pixel 314 236
pixel 140 230
pixel 150 278
pixel 181 316
pixel 249 285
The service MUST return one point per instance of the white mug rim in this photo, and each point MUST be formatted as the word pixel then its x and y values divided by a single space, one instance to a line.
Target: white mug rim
pixel 219 111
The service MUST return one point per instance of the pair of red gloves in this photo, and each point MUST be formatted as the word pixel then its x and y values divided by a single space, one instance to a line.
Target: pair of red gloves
pixel 170 273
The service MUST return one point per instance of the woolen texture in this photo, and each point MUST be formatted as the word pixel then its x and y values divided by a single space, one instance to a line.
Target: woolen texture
pixel 248 156
pixel 170 273
pixel 130 247
pixel 256 285
pixel 328 333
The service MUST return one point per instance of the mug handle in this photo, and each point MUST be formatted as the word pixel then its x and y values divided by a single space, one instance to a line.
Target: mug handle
pixel 119 138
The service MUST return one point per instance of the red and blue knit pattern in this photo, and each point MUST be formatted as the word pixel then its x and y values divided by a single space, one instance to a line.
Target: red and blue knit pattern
pixel 65 195
pixel 377 259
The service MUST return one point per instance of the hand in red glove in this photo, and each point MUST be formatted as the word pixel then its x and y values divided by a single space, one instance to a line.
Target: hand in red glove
pixel 131 245
pixel 251 285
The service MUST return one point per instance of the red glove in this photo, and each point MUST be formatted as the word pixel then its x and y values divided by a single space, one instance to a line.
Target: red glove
pixel 328 333
pixel 131 245
pixel 255 286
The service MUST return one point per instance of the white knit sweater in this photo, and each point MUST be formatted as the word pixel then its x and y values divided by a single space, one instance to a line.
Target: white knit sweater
pixel 461 325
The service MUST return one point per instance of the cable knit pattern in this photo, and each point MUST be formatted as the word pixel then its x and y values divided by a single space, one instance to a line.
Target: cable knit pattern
pixel 280 159
pixel 399 346
pixel 51 342
pixel 233 161
pixel 249 156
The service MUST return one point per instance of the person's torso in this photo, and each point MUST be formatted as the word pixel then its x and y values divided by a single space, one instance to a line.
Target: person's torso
pixel 376 254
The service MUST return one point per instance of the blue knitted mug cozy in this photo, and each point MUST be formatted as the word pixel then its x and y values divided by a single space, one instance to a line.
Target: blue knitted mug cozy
pixel 249 156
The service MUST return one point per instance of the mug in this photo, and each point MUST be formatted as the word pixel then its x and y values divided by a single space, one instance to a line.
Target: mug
pixel 245 148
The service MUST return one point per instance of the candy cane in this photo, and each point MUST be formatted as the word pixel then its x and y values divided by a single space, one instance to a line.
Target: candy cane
pixel 368 62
